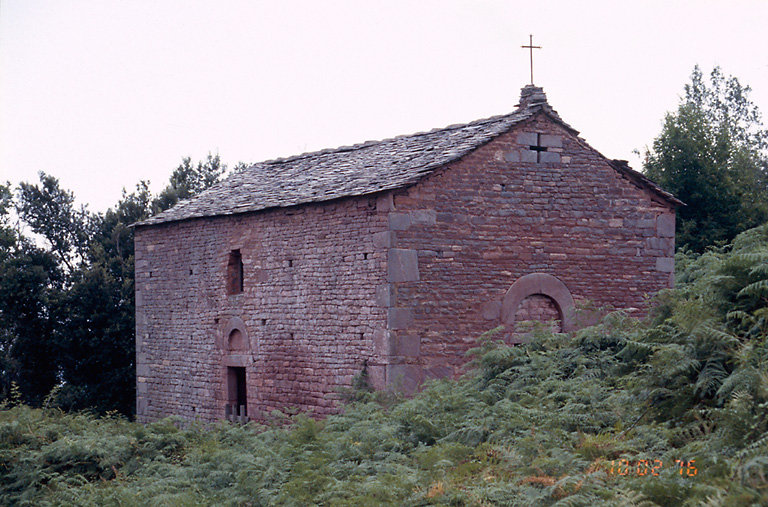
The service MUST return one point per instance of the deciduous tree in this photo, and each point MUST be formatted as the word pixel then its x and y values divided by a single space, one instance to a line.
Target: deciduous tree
pixel 712 154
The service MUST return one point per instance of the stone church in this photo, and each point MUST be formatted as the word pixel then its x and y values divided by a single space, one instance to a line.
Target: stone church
pixel 275 287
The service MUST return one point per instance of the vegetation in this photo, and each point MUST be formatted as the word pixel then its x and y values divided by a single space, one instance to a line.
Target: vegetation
pixel 669 410
pixel 67 293
pixel 712 153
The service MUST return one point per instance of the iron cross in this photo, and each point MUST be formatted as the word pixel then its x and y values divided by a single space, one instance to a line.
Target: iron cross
pixel 531 47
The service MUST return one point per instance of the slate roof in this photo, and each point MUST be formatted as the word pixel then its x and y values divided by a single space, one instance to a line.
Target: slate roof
pixel 360 169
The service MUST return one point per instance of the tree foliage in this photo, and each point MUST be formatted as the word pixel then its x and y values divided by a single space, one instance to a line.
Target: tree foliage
pixel 712 153
pixel 67 305
pixel 188 180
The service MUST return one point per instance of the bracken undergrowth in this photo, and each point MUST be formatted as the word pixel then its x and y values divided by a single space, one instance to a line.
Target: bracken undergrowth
pixel 668 410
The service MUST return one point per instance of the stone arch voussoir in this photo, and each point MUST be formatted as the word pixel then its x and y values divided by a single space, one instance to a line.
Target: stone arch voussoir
pixel 539 283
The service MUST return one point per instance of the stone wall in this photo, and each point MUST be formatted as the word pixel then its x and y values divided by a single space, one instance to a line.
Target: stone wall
pixel 302 326
pixel 469 231
pixel 402 282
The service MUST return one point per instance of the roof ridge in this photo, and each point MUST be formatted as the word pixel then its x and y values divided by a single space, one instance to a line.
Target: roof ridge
pixel 349 170
pixel 369 143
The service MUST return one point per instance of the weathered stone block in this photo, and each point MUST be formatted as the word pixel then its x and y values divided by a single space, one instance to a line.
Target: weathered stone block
pixel 399 318
pixel 549 157
pixel 404 378
pixel 382 343
pixel 377 376
pixel 141 405
pixel 407 345
pixel 512 156
pixel 399 221
pixel 527 138
pixel 665 225
pixel 665 264
pixel 491 310
pixel 434 372
pixel 528 156
pixel 423 217
pixel 402 265
pixel 385 203
pixel 384 296
pixel 382 239
pixel 551 141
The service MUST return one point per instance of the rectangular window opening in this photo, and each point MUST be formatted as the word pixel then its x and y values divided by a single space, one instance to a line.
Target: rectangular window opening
pixel 235 273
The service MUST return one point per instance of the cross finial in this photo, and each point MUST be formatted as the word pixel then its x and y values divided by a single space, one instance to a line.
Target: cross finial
pixel 531 47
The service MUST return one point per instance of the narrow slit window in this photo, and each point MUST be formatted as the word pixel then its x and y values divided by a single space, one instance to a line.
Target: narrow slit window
pixel 235 273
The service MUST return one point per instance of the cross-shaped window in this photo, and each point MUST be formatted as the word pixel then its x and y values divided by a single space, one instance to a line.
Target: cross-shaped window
pixel 538 148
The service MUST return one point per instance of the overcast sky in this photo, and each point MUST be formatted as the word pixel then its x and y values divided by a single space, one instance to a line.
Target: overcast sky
pixel 102 93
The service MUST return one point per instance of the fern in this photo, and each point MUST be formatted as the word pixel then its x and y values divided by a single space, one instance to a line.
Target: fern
pixel 754 289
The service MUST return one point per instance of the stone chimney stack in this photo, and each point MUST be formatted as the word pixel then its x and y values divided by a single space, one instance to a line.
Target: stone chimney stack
pixel 531 96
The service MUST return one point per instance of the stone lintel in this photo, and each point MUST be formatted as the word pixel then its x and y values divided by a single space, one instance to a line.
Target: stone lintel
pixel 237 360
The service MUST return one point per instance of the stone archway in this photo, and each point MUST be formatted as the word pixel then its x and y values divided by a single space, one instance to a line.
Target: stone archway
pixel 237 367
pixel 546 285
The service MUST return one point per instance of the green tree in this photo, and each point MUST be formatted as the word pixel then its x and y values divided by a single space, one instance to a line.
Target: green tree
pixel 188 180
pixel 712 154
pixel 30 284
pixel 97 349
pixel 50 212
pixel 67 311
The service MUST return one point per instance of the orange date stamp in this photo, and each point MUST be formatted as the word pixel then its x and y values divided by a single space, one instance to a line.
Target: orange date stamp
pixel 651 467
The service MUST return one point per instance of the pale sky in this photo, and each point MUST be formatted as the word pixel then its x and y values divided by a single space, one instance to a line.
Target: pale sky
pixel 104 93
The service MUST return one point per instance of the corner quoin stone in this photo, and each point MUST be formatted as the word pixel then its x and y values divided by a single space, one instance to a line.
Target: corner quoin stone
pixel 399 318
pixel 403 265
pixel 665 226
pixel 399 221
pixel 665 264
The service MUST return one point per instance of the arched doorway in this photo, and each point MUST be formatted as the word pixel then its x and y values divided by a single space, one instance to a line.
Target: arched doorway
pixel 237 362
pixel 538 295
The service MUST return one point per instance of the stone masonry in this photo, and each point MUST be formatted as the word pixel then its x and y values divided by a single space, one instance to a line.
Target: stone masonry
pixel 392 257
